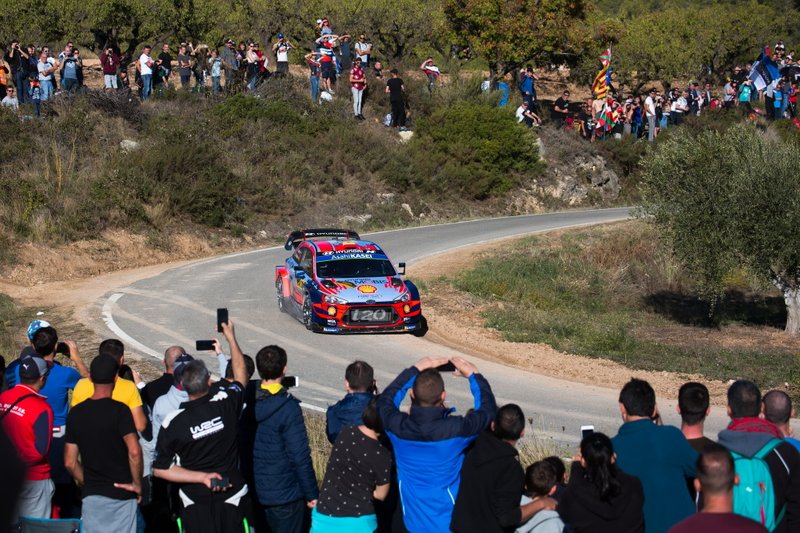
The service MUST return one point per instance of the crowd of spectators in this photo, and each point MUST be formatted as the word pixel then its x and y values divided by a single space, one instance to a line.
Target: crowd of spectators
pixel 123 455
pixel 34 75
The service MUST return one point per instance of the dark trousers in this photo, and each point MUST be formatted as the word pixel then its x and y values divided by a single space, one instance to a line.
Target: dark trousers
pixel 398 113
pixel 287 518
pixel 21 83
pixel 67 496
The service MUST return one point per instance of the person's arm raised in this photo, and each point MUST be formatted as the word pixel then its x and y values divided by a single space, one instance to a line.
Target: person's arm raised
pixel 75 357
pixel 237 358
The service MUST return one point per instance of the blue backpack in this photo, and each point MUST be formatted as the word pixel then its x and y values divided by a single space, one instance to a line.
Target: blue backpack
pixel 754 496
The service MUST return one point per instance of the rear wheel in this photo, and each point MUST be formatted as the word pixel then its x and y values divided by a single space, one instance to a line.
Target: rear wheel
pixel 281 302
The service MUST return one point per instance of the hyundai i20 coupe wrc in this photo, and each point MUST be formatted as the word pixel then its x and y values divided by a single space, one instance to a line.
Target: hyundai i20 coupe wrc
pixel 334 282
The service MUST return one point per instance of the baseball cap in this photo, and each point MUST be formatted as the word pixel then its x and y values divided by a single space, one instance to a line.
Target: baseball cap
pixel 180 365
pixel 35 326
pixel 280 36
pixel 103 370
pixel 33 367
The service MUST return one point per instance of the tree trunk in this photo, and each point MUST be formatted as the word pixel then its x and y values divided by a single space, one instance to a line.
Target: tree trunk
pixel 792 299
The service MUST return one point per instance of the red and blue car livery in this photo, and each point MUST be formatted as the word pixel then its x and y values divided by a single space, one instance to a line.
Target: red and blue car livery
pixel 334 282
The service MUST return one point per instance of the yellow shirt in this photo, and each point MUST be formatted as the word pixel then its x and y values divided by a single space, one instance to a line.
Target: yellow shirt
pixel 125 391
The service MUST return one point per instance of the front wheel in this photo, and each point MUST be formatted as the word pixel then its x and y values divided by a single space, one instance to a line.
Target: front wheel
pixel 308 313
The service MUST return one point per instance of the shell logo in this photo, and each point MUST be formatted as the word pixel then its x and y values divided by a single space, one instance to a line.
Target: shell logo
pixel 366 289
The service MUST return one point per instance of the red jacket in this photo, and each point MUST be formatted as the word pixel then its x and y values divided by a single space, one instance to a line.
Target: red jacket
pixel 29 425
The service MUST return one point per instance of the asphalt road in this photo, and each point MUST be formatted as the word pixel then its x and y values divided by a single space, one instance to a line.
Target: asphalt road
pixel 179 306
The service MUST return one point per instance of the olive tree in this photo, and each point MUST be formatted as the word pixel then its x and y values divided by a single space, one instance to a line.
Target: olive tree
pixel 727 199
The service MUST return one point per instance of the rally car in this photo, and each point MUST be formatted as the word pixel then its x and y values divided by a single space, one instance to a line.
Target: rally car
pixel 335 282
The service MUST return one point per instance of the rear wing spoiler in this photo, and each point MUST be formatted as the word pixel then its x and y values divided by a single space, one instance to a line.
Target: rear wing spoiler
pixel 298 236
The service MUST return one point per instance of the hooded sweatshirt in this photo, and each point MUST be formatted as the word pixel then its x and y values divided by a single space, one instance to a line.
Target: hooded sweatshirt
pixel 491 484
pixel 582 508
pixel 281 455
pixel 544 521
pixel 784 466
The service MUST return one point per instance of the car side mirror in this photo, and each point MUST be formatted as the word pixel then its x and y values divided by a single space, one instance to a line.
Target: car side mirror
pixel 401 269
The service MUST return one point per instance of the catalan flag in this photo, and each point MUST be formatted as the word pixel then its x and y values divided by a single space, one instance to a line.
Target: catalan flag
pixel 602 82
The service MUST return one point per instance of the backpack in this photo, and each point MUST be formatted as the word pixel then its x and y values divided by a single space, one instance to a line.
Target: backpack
pixel 754 496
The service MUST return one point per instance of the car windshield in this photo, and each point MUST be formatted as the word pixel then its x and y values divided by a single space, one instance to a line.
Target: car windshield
pixel 355 268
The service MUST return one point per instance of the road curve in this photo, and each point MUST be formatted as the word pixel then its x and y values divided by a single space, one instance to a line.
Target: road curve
pixel 178 307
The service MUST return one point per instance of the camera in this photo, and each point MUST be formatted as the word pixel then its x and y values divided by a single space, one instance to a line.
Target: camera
pixel 62 348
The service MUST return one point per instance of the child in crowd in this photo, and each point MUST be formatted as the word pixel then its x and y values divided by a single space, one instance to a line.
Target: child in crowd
pixel 541 479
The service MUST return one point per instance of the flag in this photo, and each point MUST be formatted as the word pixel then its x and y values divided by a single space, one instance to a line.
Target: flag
pixel 764 71
pixel 602 82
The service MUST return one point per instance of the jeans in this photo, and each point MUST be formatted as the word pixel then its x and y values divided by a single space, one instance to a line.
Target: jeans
pixel 21 82
pixel 286 518
pixel 357 99
pixel 216 88
pixel 69 84
pixel 651 125
pixel 47 89
pixel 110 81
pixel 314 88
pixel 251 83
pixel 185 79
pixel 147 85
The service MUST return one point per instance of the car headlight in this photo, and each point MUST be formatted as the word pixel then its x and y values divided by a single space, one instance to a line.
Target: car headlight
pixel 406 296
pixel 331 299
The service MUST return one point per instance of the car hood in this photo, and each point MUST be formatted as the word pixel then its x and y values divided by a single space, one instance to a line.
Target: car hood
pixel 363 290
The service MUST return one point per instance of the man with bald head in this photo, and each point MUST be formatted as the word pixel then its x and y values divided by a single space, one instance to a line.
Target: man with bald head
pixel 161 385
pixel 777 408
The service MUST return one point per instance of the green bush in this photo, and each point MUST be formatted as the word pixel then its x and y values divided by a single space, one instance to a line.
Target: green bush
pixel 472 150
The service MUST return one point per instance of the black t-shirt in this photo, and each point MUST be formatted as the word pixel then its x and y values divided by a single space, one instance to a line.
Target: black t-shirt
pixel 395 89
pixel 356 466
pixel 97 427
pixel 166 60
pixel 561 103
pixel 203 436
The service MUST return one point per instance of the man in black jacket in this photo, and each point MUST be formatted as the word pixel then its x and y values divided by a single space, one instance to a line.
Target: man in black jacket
pixel 492 480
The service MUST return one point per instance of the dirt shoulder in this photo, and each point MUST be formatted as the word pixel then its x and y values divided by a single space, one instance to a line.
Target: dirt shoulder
pixel 456 322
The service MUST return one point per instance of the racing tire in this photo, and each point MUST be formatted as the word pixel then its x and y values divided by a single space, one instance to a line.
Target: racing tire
pixel 307 314
pixel 279 291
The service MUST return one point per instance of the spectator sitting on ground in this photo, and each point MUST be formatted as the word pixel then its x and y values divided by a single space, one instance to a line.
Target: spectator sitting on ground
pixel 527 116
pixel 284 475
pixel 778 409
pixel 489 495
pixel 358 473
pixel 693 406
pixel 658 455
pixel 428 444
pixel 162 384
pixel 212 489
pixel 600 497
pixel 27 419
pixel 541 481
pixel 748 436
pixel 359 382
pixel 125 391
pixel 103 454
pixel 716 477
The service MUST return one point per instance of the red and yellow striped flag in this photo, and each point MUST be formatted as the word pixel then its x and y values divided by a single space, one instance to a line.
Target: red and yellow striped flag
pixel 602 82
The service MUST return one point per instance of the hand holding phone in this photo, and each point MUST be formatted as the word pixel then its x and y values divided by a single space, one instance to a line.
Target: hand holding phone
pixel 220 484
pixel 222 318
pixel 204 345
pixel 447 367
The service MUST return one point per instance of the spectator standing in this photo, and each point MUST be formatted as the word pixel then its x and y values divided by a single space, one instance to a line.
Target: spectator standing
pixel 600 497
pixel 45 68
pixel 777 100
pixel 171 401
pixel 230 63
pixel 69 69
pixel 650 114
pixel 198 448
pixel 680 107
pixel 109 61
pixel 431 72
pixel 10 100
pixel 658 455
pixel 745 93
pixel 358 474
pixel 359 382
pixel 281 50
pixel 284 475
pixel 396 91
pixel 326 44
pixel 27 419
pixel 36 97
pixel 377 70
pixel 103 454
pixel 778 410
pixel 19 62
pixel 729 94
pixel 561 109
pixel 164 63
pixel 492 478
pixel 363 50
pixel 346 52
pixel 754 441
pixel 358 82
pixel 541 481
pixel 184 66
pixel 716 477
pixel 146 64
pixel 252 69
pixel 125 391
pixel 428 444
pixel 215 65
pixel 694 407
pixel 162 384
pixel 314 72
